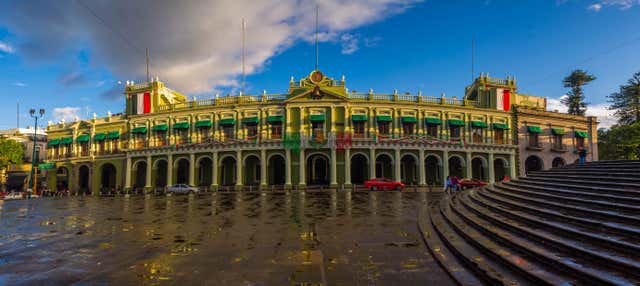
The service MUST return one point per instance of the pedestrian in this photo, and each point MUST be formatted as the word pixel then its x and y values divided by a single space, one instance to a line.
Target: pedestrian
pixel 447 185
pixel 582 155
pixel 455 182
pixel 505 178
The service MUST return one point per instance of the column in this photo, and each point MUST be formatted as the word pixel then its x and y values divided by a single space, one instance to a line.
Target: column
pixel 214 171
pixel 302 175
pixel 421 176
pixel 468 164
pixel 147 184
pixel 512 166
pixel 334 181
pixel 127 175
pixel 239 176
pixel 445 165
pixel 347 167
pixel 263 168
pixel 372 127
pixel 492 174
pixel 372 163
pixel 397 177
pixel 169 170
pixel 333 119
pixel 192 169
pixel 287 170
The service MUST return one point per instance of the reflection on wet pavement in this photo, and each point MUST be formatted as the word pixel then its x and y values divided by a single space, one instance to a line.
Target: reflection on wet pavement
pixel 313 238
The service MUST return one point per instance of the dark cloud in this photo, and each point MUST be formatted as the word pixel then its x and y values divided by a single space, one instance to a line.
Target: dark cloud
pixel 73 78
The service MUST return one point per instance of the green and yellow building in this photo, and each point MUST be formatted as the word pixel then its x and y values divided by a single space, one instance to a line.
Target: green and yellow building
pixel 317 134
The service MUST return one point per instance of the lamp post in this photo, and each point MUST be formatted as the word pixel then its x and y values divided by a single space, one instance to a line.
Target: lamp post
pixel 33 114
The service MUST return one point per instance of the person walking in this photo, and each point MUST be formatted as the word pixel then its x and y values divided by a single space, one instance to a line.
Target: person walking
pixel 455 182
pixel 447 185
pixel 582 155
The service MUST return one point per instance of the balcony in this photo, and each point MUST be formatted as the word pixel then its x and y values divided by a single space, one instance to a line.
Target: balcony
pixel 559 148
pixel 535 147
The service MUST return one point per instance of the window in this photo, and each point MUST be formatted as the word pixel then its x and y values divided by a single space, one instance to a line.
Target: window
pixel 432 130
pixel 579 142
pixel 533 140
pixel 454 132
pixel 317 128
pixel 140 139
pixel 84 149
pixel 67 150
pixel 498 136
pixel 276 130
pixel 358 129
pixel 383 127
pixel 101 147
pixel 114 145
pixel 408 128
pixel 228 131
pixel 182 136
pixel 476 133
pixel 252 130
pixel 161 137
pixel 557 142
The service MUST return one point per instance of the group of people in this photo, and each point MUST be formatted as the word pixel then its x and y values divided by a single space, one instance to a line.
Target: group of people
pixel 452 184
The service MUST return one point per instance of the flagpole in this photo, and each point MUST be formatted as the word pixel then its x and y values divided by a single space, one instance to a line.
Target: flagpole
pixel 317 49
pixel 243 55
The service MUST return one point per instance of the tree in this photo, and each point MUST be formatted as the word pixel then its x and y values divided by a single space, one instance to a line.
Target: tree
pixel 620 142
pixel 626 102
pixel 11 152
pixel 575 97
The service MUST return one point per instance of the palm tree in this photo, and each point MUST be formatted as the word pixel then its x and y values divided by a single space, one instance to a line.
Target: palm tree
pixel 626 102
pixel 575 97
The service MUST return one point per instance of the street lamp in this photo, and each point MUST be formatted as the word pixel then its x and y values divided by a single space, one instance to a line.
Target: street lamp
pixel 33 114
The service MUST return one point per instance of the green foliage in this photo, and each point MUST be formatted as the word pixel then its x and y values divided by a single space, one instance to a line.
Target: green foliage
pixel 619 142
pixel 575 97
pixel 11 152
pixel 626 102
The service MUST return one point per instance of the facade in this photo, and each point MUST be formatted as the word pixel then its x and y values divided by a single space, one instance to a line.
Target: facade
pixel 15 177
pixel 317 134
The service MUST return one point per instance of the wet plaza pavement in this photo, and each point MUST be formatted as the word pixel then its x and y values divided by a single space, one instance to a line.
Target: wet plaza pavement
pixel 317 238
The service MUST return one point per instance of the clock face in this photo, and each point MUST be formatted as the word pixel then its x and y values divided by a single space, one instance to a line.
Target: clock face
pixel 316 76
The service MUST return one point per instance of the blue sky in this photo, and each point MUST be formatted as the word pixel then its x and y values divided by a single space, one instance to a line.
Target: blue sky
pixel 69 61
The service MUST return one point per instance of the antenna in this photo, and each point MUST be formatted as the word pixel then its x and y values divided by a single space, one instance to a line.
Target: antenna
pixel 147 56
pixel 317 37
pixel 472 59
pixel 244 24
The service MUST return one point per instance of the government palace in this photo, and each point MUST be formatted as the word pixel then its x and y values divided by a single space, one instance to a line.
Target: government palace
pixel 318 134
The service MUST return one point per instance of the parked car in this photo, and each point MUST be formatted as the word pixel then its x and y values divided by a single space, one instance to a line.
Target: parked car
pixel 383 184
pixel 182 189
pixel 471 183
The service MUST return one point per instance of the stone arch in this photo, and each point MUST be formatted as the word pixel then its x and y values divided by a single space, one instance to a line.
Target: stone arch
pixel 533 163
pixel 409 169
pixel 157 162
pixel 359 168
pixel 456 166
pixel 62 178
pixel 84 173
pixel 139 174
pixel 251 164
pixel 276 169
pixel 182 166
pixel 161 167
pixel 432 166
pixel 500 168
pixel 203 157
pixel 227 170
pixel 479 168
pixel 384 165
pixel 204 171
pixel 108 177
pixel 558 162
pixel 317 169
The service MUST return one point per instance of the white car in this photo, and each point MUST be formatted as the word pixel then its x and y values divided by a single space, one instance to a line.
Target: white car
pixel 182 189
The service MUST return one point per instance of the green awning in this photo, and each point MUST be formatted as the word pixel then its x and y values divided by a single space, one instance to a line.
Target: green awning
pixel 116 134
pixel 139 130
pixel 432 120
pixel 383 118
pixel 99 136
pixel 408 119
pixel 274 119
pixel 54 142
pixel 47 166
pixel 479 124
pixel 582 134
pixel 534 129
pixel 558 131
pixel 227 121
pixel 317 117
pixel 181 125
pixel 500 126
pixel 251 120
pixel 359 117
pixel 160 127
pixel 204 123
pixel 66 140
pixel 455 122
pixel 83 138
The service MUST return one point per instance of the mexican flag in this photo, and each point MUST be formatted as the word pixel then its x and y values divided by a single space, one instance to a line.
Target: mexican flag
pixel 143 103
pixel 503 99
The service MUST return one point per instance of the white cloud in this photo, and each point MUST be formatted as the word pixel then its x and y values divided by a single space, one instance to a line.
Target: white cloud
pixel 4 47
pixel 68 113
pixel 600 110
pixel 349 44
pixel 20 84
pixel 595 7
pixel 194 46
pixel 622 4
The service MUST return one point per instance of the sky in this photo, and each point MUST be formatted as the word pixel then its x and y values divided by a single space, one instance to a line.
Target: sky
pixel 72 57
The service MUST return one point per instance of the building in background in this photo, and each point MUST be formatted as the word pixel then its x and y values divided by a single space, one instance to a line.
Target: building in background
pixel 17 175
pixel 318 134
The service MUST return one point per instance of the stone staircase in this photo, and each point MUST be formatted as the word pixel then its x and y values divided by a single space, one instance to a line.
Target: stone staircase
pixel 579 224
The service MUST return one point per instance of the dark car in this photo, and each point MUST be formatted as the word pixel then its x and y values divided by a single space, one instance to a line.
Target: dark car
pixel 383 184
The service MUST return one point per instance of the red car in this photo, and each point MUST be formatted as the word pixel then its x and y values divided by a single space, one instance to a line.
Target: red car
pixel 471 183
pixel 383 184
